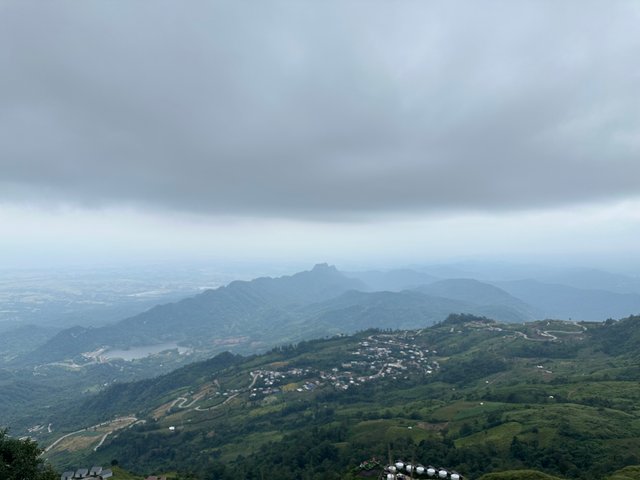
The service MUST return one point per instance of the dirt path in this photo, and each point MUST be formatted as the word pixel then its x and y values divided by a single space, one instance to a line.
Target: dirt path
pixel 200 409
pixel 104 437
pixel 63 437
pixel 524 335
pixel 254 379
pixel 102 424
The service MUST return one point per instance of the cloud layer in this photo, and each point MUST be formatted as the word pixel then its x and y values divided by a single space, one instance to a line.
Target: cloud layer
pixel 326 109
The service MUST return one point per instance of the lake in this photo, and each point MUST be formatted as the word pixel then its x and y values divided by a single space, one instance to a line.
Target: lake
pixel 134 353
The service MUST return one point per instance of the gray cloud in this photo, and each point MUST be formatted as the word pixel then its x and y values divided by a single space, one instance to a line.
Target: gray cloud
pixel 320 109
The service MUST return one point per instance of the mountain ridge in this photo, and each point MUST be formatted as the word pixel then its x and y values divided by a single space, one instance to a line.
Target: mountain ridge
pixel 232 310
pixel 563 301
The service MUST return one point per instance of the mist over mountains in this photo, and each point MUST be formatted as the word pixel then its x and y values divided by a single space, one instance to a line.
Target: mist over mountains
pixel 170 171
pixel 230 330
pixel 251 316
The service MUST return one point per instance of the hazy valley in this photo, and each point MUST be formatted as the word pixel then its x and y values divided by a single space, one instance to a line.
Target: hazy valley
pixel 171 171
pixel 404 387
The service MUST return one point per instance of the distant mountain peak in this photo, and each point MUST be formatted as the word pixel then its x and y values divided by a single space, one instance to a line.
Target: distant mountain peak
pixel 324 266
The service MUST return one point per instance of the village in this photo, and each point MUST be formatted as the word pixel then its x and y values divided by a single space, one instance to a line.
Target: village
pixel 379 356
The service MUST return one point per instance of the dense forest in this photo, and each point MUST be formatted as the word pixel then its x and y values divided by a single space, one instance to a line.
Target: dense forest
pixel 20 460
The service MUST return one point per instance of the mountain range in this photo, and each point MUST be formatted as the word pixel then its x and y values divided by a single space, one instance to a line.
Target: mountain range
pixel 324 362
pixel 562 301
pixel 252 316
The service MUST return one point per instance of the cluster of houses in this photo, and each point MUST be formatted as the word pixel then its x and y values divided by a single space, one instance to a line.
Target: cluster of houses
pixel 379 356
pixel 270 381
pixel 96 473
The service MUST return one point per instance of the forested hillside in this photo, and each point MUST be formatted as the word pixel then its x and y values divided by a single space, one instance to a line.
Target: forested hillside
pixel 469 394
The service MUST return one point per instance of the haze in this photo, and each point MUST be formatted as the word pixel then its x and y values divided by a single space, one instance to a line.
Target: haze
pixel 350 132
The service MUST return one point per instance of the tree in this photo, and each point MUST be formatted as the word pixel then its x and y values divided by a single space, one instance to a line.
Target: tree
pixel 20 459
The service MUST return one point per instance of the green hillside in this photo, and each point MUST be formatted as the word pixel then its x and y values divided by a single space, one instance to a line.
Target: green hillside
pixel 469 394
pixel 243 317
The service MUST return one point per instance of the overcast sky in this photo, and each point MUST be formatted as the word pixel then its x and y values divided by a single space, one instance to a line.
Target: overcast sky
pixel 345 131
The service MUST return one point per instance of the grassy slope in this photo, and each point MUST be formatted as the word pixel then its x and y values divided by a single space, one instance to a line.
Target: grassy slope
pixel 498 402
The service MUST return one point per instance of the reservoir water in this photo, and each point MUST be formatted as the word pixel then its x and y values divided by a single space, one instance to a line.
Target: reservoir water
pixel 134 353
